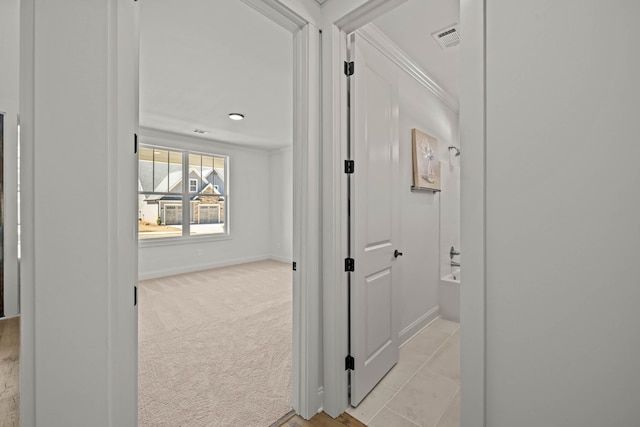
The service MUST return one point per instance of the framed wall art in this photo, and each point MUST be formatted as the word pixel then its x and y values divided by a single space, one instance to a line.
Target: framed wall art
pixel 426 161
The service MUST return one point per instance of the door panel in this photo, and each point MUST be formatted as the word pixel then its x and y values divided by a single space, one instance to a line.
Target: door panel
pixel 379 328
pixel 374 217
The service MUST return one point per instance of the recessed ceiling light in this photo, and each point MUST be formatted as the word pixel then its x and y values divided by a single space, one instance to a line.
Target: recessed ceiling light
pixel 236 116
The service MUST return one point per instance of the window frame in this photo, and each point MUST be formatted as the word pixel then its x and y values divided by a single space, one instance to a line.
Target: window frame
pixel 186 237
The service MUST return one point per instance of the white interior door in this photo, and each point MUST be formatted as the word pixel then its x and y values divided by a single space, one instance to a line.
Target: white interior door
pixel 374 220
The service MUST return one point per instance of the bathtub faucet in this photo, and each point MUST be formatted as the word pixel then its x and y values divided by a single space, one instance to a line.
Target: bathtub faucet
pixel 453 252
pixel 455 264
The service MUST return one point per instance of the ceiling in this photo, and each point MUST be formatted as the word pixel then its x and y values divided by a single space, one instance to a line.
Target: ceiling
pixel 201 60
pixel 200 63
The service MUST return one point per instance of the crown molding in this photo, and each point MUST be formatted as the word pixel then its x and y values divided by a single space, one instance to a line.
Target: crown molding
pixel 380 41
pixel 279 13
pixel 366 13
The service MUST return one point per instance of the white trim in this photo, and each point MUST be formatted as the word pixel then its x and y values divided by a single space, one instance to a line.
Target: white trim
pixel 10 220
pixel 335 286
pixel 281 259
pixel 27 213
pixel 410 331
pixel 307 220
pixel 473 213
pixel 200 267
pixel 196 181
pixel 380 41
pixel 123 107
pixel 366 13
pixel 183 240
pixel 278 13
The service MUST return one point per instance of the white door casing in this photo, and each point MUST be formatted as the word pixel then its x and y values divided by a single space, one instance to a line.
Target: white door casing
pixel 374 217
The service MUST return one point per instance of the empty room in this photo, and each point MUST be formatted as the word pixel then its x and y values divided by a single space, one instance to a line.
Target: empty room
pixel 214 215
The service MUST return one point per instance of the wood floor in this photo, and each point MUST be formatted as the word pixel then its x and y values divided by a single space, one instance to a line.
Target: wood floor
pixel 9 367
pixel 323 420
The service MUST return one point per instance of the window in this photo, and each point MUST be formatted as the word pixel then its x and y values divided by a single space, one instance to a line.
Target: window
pixel 169 208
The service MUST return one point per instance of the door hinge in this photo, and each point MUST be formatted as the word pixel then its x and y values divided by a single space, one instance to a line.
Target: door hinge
pixel 295 267
pixel 135 295
pixel 349 166
pixel 348 68
pixel 349 363
pixel 349 264
pixel 135 143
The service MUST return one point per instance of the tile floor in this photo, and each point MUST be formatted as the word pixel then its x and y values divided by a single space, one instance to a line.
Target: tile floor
pixel 423 389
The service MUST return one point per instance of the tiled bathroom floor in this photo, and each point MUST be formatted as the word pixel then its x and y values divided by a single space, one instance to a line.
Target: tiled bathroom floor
pixel 423 389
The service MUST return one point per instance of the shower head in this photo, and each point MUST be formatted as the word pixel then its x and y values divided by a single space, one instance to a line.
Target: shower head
pixel 452 147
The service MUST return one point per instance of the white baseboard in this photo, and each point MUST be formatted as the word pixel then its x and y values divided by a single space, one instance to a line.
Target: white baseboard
pixel 407 333
pixel 281 259
pixel 199 267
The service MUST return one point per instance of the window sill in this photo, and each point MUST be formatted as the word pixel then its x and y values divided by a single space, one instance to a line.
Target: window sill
pixel 183 240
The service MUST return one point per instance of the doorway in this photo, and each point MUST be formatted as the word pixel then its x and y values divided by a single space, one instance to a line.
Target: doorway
pixel 242 168
pixel 447 113
pixel 411 269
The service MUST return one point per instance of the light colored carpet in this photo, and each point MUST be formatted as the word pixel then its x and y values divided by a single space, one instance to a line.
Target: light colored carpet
pixel 215 347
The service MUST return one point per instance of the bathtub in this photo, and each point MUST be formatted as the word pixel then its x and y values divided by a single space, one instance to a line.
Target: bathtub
pixel 449 296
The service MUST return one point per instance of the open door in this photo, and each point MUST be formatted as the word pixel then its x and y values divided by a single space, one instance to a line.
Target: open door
pixel 374 221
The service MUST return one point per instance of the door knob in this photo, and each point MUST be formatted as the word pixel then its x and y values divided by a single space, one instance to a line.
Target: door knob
pixel 397 253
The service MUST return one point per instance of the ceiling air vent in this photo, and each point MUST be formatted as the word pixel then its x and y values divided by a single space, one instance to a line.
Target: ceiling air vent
pixel 447 37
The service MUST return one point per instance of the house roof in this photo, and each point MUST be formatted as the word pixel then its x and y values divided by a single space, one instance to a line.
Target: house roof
pixel 171 177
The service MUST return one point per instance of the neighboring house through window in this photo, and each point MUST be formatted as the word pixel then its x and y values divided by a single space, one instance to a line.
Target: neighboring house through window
pixel 163 196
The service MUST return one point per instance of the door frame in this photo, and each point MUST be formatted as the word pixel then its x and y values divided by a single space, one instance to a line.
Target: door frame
pixel 123 73
pixel 472 195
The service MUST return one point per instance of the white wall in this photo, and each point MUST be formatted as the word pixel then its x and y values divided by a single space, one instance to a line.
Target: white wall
pixel 420 211
pixel 249 213
pixel 562 213
pixel 281 204
pixel 9 101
